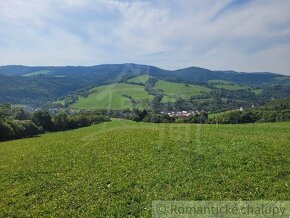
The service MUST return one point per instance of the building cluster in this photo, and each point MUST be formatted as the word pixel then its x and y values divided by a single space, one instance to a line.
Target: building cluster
pixel 183 113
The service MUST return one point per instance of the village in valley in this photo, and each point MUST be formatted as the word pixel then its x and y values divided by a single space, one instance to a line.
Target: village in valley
pixel 190 113
pixel 183 113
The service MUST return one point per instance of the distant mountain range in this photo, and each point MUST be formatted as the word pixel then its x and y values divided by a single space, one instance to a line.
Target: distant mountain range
pixel 103 73
pixel 35 85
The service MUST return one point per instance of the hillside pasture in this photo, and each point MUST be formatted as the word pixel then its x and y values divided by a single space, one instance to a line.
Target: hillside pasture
pixel 223 84
pixel 114 97
pixel 140 79
pixel 117 169
pixel 180 89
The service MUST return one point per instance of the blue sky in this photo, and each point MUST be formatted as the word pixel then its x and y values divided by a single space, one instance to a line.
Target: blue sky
pixel 241 35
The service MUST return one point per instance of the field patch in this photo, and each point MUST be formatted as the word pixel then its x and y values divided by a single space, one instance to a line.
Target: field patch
pixel 115 97
pixel 167 98
pixel 257 91
pixel 180 89
pixel 36 73
pixel 223 84
pixel 140 79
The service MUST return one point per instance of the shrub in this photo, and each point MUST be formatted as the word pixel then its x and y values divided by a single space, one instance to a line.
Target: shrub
pixel 6 131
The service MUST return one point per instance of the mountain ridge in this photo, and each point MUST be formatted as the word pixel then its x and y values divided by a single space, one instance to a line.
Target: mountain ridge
pixel 189 74
pixel 27 84
pixel 5 69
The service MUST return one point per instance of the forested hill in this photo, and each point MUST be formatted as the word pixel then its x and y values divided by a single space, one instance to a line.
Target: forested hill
pixel 24 85
pixel 108 72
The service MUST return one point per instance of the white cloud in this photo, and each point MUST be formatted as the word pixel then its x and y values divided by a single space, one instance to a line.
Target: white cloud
pixel 169 34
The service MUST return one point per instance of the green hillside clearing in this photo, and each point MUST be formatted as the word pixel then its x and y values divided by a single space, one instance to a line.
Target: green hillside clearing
pixel 257 91
pixel 180 89
pixel 140 79
pixel 223 84
pixel 112 97
pixel 40 72
pixel 167 98
pixel 117 169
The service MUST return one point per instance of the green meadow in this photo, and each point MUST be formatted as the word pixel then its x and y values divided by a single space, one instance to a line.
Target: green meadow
pixel 116 169
pixel 180 89
pixel 140 79
pixel 121 96
pixel 114 97
pixel 223 84
pixel 167 98
pixel 36 73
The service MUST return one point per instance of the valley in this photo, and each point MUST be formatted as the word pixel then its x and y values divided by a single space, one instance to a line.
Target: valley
pixel 135 108
pixel 133 86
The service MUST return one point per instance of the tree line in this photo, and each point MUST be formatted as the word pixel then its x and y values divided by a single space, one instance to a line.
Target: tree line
pixel 274 111
pixel 17 123
pixel 155 117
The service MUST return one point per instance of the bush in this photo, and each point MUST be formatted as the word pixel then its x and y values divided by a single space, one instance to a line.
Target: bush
pixel 30 129
pixel 60 122
pixel 43 119
pixel 15 129
pixel 6 131
pixel 158 118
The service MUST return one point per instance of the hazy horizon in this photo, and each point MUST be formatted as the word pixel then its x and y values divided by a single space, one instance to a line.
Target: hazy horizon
pixel 216 70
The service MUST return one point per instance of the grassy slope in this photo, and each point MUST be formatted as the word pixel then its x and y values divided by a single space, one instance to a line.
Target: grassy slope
pixel 40 72
pixel 257 91
pixel 167 98
pixel 118 168
pixel 111 97
pixel 223 84
pixel 140 79
pixel 180 89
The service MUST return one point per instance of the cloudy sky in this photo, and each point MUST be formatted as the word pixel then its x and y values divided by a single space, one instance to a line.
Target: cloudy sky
pixel 242 35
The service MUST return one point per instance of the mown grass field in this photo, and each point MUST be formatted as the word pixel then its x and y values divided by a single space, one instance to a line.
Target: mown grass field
pixel 112 97
pixel 180 89
pixel 118 168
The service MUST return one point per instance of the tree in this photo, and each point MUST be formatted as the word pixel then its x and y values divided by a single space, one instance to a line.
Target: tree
pixel 6 131
pixel 30 129
pixel 43 119
pixel 20 114
pixel 60 122
pixel 202 117
pixel 5 110
pixel 17 127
